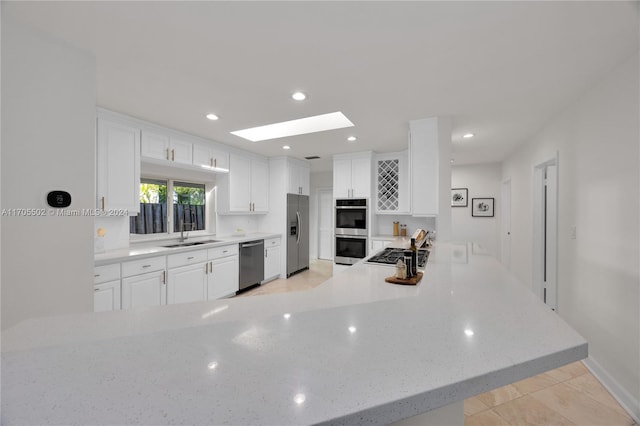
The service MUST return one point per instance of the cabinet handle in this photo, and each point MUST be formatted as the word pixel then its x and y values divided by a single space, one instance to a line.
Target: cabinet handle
pixel 96 289
pixel 266 253
pixel 206 268
pixel 190 257
pixel 215 162
pixel 225 251
pixel 96 275
pixel 173 155
pixel 102 203
pixel 167 153
pixel 211 267
pixel 146 266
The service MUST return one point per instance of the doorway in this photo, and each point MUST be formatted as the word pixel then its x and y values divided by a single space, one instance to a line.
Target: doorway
pixel 545 231
pixel 325 224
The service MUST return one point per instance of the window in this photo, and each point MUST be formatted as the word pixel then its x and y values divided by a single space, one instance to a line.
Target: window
pixel 187 210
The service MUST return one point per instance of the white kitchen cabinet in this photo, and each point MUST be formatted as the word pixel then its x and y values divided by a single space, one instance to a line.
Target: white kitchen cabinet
pixel 106 296
pixel 208 156
pixel 144 282
pixel 429 158
pixel 118 166
pixel 298 179
pixel 392 183
pixel 245 189
pixel 144 290
pixel 166 147
pixel 352 175
pixel 224 271
pixel 272 254
pixel 187 283
pixel 187 277
pixel 106 288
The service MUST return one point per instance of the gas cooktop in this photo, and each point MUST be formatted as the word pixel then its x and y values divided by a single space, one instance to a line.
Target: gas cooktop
pixel 390 256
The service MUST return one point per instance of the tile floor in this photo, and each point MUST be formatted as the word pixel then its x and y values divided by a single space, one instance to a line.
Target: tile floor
pixel 568 395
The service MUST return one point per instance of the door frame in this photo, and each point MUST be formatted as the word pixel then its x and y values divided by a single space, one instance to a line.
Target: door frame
pixel 317 195
pixel 505 227
pixel 545 231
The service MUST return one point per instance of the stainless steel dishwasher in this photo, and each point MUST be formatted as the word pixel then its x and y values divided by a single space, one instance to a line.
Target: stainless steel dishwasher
pixel 251 263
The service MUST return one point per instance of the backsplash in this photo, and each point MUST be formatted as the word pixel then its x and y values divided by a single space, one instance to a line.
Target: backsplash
pixel 384 223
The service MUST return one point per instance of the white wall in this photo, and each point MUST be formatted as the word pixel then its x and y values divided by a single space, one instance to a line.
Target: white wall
pixel 318 180
pixel 596 139
pixel 482 181
pixel 48 135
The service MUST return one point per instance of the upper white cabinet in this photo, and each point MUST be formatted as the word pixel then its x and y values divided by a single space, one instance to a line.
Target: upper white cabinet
pixel 298 178
pixel 245 189
pixel 208 156
pixel 118 166
pixel 162 146
pixel 392 183
pixel 352 175
pixel 429 155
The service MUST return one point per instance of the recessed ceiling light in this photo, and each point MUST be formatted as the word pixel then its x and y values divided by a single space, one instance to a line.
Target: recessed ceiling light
pixel 452 161
pixel 212 117
pixel 302 126
pixel 299 96
pixel 468 135
pixel 351 138
pixel 286 147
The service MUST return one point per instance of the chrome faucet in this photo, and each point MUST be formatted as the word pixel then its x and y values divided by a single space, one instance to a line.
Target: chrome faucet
pixel 182 228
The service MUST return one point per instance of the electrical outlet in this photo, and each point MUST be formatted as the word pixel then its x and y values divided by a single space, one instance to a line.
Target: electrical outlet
pixel 572 233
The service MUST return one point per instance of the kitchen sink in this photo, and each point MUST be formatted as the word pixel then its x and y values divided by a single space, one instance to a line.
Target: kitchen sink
pixel 192 243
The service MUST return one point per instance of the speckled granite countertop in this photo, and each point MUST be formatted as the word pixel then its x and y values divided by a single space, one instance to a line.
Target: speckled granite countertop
pixel 354 350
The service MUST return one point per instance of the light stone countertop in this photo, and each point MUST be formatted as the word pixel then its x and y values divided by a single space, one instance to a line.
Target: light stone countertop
pixel 354 350
pixel 141 250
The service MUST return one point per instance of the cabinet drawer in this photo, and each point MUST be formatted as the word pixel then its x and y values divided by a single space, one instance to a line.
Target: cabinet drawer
pixel 136 267
pixel 272 242
pixel 188 258
pixel 106 273
pixel 223 251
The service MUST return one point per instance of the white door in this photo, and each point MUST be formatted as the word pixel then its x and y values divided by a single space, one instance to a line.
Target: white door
pixel 187 284
pixel 325 224
pixel 144 290
pixel 506 224
pixel 551 237
pixel 224 278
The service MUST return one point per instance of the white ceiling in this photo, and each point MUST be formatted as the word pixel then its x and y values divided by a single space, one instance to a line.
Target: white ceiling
pixel 500 69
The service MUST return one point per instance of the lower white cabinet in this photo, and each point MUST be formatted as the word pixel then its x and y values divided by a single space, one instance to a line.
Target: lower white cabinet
pixel 271 259
pixel 187 284
pixel 144 282
pixel 106 296
pixel 224 271
pixel 106 288
pixel 187 277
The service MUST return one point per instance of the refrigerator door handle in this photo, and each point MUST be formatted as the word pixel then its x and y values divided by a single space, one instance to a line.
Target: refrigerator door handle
pixel 299 224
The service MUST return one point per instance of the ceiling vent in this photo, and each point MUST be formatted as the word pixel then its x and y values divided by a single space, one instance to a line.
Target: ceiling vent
pixel 313 157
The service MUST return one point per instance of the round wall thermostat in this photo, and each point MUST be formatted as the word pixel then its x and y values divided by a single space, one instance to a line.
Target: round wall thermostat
pixel 59 199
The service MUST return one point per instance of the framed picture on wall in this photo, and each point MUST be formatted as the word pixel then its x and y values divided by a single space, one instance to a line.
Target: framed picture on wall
pixel 482 207
pixel 459 197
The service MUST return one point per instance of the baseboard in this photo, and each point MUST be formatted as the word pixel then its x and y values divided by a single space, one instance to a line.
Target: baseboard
pixel 624 398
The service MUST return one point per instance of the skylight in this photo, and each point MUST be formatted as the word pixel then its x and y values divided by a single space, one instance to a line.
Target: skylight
pixel 302 126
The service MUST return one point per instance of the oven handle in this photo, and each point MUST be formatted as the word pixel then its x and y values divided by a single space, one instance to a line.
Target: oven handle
pixel 357 237
pixel 351 207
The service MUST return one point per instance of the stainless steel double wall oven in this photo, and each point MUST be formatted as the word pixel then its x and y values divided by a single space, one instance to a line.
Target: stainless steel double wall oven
pixel 351 230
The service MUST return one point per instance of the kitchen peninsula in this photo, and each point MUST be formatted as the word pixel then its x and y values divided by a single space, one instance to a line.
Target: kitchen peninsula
pixel 354 350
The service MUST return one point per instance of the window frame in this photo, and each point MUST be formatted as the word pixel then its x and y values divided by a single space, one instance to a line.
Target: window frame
pixel 208 195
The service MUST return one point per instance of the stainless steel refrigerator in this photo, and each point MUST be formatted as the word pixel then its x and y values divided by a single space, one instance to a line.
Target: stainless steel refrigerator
pixel 297 233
